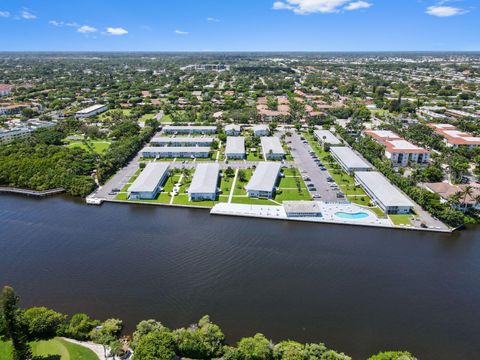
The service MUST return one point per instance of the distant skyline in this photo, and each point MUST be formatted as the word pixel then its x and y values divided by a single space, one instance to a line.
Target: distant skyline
pixel 240 25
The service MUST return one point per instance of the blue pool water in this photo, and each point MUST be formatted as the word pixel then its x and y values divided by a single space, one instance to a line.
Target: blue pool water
pixel 344 215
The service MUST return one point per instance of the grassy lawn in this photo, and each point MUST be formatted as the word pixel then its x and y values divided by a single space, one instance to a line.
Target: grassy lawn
pixel 378 212
pixel 56 349
pixel 98 147
pixel 166 118
pixel 182 199
pixel 292 195
pixel 255 156
pixel 240 185
pixel 401 219
pixel 226 184
pixel 251 201
pixel 146 117
pixel 322 154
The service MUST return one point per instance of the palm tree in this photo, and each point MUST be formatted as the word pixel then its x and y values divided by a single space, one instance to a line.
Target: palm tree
pixel 466 192
pixel 477 200
pixel 454 199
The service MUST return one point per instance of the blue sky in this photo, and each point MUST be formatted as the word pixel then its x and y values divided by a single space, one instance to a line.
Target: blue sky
pixel 239 25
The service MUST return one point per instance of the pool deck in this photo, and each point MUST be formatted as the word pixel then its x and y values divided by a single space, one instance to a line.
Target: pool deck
pixel 277 212
pixel 328 215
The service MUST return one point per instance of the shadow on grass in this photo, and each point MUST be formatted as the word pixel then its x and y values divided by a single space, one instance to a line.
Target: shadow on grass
pixel 47 357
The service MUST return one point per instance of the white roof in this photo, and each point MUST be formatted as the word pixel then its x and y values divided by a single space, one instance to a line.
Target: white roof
pixel 205 179
pixel 383 190
pixel 235 145
pixel 403 144
pixel 329 137
pixel 264 177
pixel 149 178
pixel 176 149
pixel 301 207
pixel 349 158
pixel 272 144
pixel 172 140
pixel 233 127
pixel 188 128
pixel 90 109
pixel 385 134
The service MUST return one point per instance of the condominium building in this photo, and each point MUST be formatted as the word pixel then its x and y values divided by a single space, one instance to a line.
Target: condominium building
pixel 386 196
pixel 91 111
pixel 400 151
pixel 172 129
pixel 349 160
pixel 459 114
pixel 149 183
pixel 454 137
pixel 204 184
pixel 264 180
pixel 233 130
pixel 261 130
pixel 175 152
pixel 272 148
pixel 326 137
pixel 235 148
pixel 182 141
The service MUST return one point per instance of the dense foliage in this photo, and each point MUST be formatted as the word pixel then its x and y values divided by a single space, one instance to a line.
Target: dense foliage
pixel 152 340
pixel 40 163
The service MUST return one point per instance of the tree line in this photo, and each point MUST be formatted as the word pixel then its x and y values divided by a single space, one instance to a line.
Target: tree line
pixel 151 339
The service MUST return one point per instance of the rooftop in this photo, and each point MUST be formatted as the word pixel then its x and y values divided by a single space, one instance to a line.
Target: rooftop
pixel 329 137
pixel 91 109
pixel 272 144
pixel 349 157
pixel 264 177
pixel 235 145
pixel 148 179
pixel 205 179
pixel 388 194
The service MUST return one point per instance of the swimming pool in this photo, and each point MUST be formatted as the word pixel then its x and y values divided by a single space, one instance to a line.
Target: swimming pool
pixel 351 216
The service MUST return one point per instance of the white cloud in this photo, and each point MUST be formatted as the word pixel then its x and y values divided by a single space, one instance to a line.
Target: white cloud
pixel 358 5
pixel 212 19
pixel 444 11
pixel 117 31
pixel 180 32
pixel 85 29
pixel 56 23
pixel 27 15
pixel 310 6
pixel 4 14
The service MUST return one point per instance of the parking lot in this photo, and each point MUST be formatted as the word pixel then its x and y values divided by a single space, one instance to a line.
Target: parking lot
pixel 310 167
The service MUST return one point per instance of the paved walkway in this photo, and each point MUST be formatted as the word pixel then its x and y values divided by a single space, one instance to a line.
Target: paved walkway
pixel 232 190
pixel 96 348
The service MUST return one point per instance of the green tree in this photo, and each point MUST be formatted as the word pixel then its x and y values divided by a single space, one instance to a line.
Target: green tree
pixel 289 350
pixel 255 348
pixel 80 326
pixel 107 333
pixel 393 355
pixel 201 341
pixel 155 345
pixel 43 323
pixel 15 327
pixel 143 328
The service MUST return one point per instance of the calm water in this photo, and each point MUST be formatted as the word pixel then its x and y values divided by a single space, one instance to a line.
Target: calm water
pixel 359 290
